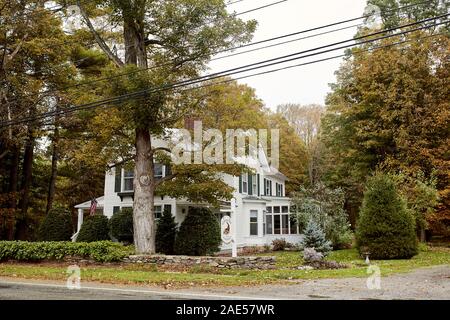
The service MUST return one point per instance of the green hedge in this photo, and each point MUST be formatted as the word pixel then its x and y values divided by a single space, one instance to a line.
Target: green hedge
pixel 102 251
pixel 94 228
pixel 56 226
pixel 121 225
pixel 199 233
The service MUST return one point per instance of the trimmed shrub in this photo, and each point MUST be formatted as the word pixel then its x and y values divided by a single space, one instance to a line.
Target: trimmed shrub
pixel 121 225
pixel 314 237
pixel 94 228
pixel 56 226
pixel 326 207
pixel 199 233
pixel 103 251
pixel 166 233
pixel 385 228
pixel 279 244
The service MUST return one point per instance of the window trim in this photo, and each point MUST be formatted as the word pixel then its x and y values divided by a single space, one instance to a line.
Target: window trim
pixel 254 184
pixel 126 178
pixel 270 215
pixel 245 180
pixel 253 223
pixel 160 212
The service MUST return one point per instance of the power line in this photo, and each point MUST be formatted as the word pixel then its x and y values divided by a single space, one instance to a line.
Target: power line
pixel 211 77
pixel 234 48
pixel 233 2
pixel 259 8
pixel 230 72
pixel 294 66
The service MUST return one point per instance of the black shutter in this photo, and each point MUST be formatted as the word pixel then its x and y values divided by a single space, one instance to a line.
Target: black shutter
pixel 168 208
pixel 168 170
pixel 240 184
pixel 259 185
pixel 118 183
pixel 250 184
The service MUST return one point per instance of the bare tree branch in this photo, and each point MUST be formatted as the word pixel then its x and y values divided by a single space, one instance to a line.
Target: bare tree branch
pixel 154 150
pixel 98 38
pixel 122 162
pixel 164 179
pixel 3 154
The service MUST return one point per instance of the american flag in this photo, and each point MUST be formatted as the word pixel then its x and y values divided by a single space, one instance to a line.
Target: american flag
pixel 93 207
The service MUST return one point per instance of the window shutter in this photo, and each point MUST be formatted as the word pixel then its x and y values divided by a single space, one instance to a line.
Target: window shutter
pixel 168 208
pixel 168 170
pixel 240 184
pixel 118 182
pixel 259 185
pixel 250 184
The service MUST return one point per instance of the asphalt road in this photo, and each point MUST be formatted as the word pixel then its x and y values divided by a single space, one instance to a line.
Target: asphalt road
pixel 427 283
pixel 39 290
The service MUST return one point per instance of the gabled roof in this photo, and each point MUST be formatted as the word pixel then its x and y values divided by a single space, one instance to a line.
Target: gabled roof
pixel 87 204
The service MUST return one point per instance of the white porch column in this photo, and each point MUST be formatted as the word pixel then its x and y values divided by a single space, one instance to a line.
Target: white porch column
pixel 234 228
pixel 80 219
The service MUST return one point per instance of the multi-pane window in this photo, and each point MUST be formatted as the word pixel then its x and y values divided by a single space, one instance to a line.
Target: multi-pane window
pixel 245 183
pixel 279 188
pixel 280 221
pixel 253 222
pixel 159 170
pixel 267 187
pixel 158 211
pixel 254 185
pixel 128 177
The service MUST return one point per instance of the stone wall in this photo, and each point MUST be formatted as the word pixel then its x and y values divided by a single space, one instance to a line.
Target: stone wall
pixel 256 263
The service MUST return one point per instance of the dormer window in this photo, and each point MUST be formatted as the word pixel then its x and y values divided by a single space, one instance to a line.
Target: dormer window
pixel 254 184
pixel 279 188
pixel 245 183
pixel 267 187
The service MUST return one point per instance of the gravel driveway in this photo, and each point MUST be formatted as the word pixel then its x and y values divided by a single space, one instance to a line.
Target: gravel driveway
pixel 427 283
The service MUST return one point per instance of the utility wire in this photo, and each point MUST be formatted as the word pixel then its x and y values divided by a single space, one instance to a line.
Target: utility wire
pixel 259 8
pixel 225 50
pixel 376 48
pixel 230 72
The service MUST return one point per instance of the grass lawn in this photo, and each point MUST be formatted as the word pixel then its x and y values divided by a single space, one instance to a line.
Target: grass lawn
pixel 285 272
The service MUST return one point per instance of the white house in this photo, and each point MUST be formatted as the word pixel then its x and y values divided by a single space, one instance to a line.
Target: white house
pixel 262 210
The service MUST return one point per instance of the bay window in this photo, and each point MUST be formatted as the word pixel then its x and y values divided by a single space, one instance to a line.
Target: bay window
pixel 280 220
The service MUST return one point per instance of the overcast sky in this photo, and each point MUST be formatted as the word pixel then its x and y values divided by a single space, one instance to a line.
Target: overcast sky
pixel 306 84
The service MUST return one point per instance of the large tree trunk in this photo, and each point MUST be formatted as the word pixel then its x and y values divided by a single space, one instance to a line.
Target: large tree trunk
pixel 143 215
pixel 144 185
